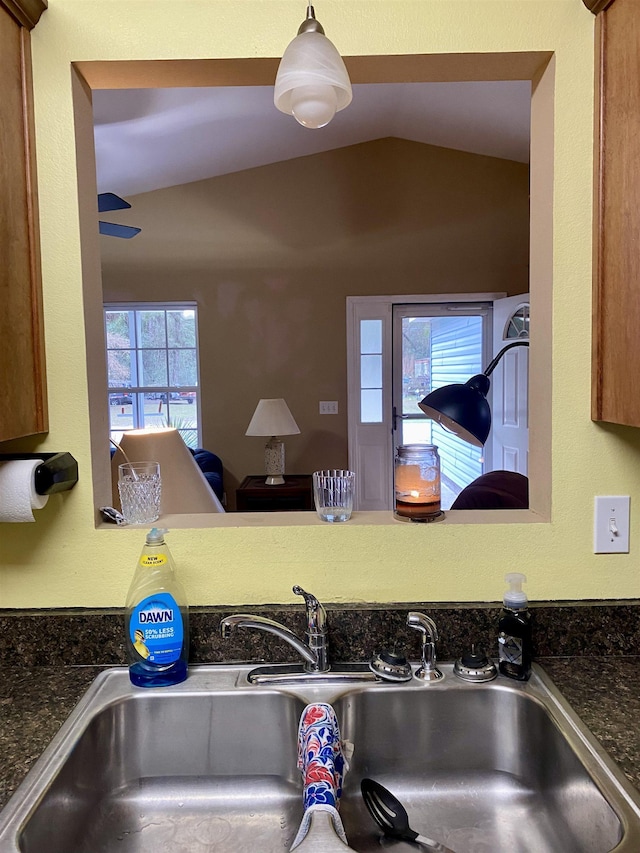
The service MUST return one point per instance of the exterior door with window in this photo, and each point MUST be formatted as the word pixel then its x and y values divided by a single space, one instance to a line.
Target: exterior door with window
pixel 421 342
pixel 435 345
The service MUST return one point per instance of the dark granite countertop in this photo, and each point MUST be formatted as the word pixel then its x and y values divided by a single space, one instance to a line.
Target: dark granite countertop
pixel 35 701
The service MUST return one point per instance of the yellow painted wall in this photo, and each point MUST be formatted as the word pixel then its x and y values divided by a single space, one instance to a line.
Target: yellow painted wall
pixel 62 560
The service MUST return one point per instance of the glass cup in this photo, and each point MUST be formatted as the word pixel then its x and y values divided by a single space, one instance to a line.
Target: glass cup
pixel 139 486
pixel 333 494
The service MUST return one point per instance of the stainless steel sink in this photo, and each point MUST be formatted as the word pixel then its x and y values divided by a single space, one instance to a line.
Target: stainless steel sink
pixel 485 768
pixel 210 765
pixel 197 767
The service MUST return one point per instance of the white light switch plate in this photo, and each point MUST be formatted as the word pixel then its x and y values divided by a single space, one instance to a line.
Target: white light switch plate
pixel 611 524
pixel 328 407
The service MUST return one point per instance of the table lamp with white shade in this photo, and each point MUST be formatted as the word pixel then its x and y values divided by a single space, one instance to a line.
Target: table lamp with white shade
pixel 273 418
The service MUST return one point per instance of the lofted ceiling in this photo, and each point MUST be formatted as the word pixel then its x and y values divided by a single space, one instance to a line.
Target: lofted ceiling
pixel 148 139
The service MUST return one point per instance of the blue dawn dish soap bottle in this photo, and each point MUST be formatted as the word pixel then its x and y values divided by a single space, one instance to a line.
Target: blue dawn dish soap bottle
pixel 514 631
pixel 156 618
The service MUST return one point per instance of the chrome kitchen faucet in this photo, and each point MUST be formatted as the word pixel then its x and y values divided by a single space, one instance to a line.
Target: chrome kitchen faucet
pixel 314 651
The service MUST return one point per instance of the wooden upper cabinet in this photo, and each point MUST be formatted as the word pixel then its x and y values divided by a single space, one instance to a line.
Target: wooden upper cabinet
pixel 23 404
pixel 616 293
pixel 596 6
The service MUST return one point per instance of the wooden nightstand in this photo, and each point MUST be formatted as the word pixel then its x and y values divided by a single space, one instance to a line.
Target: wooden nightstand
pixel 254 495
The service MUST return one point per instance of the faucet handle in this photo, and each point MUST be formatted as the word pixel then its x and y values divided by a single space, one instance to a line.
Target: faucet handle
pixel 316 614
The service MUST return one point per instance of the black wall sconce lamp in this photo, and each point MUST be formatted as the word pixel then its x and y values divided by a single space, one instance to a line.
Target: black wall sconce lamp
pixel 463 408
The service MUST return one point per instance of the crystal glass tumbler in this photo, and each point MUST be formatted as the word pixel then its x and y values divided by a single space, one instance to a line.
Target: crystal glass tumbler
pixel 139 486
pixel 333 494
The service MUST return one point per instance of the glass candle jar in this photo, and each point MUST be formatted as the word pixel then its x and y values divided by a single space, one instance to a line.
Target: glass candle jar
pixel 417 482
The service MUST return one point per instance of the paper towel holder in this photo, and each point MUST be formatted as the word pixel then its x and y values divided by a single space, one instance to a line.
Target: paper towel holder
pixel 57 473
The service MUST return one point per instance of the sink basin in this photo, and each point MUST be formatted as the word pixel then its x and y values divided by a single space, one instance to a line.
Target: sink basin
pixel 481 768
pixel 210 765
pixel 197 767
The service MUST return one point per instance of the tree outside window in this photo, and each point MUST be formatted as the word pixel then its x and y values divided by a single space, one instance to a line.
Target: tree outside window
pixel 152 367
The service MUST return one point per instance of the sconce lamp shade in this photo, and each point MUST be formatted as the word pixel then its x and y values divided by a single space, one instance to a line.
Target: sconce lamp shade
pixel 272 417
pixel 312 83
pixel 463 409
pixel 184 486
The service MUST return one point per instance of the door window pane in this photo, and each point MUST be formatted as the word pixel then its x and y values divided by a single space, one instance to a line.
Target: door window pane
pixel 517 324
pixel 437 347
pixel 370 336
pixel 371 406
pixel 416 362
pixel 371 371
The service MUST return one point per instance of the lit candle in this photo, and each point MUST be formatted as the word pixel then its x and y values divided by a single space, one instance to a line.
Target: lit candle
pixel 417 482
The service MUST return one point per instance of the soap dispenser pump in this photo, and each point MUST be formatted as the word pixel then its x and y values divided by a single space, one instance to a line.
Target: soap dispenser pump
pixel 514 630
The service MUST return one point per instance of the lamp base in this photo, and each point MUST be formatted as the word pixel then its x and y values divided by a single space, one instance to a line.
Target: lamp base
pixel 274 480
pixel 274 461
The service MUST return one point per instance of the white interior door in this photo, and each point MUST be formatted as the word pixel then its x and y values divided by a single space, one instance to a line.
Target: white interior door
pixel 510 386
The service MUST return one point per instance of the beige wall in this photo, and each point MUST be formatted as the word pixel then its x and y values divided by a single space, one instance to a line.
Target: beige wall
pixel 63 560
pixel 270 255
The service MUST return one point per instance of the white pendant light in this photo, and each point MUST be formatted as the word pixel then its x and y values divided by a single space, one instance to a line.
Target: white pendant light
pixel 312 83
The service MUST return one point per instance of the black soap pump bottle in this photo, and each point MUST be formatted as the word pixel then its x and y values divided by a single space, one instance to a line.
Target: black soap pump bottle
pixel 514 630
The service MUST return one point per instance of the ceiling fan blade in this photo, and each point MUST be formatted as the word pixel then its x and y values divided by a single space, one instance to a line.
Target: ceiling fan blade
pixel 111 201
pixel 110 229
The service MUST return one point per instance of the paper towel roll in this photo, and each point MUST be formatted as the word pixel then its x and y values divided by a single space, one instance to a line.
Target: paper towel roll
pixel 18 496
